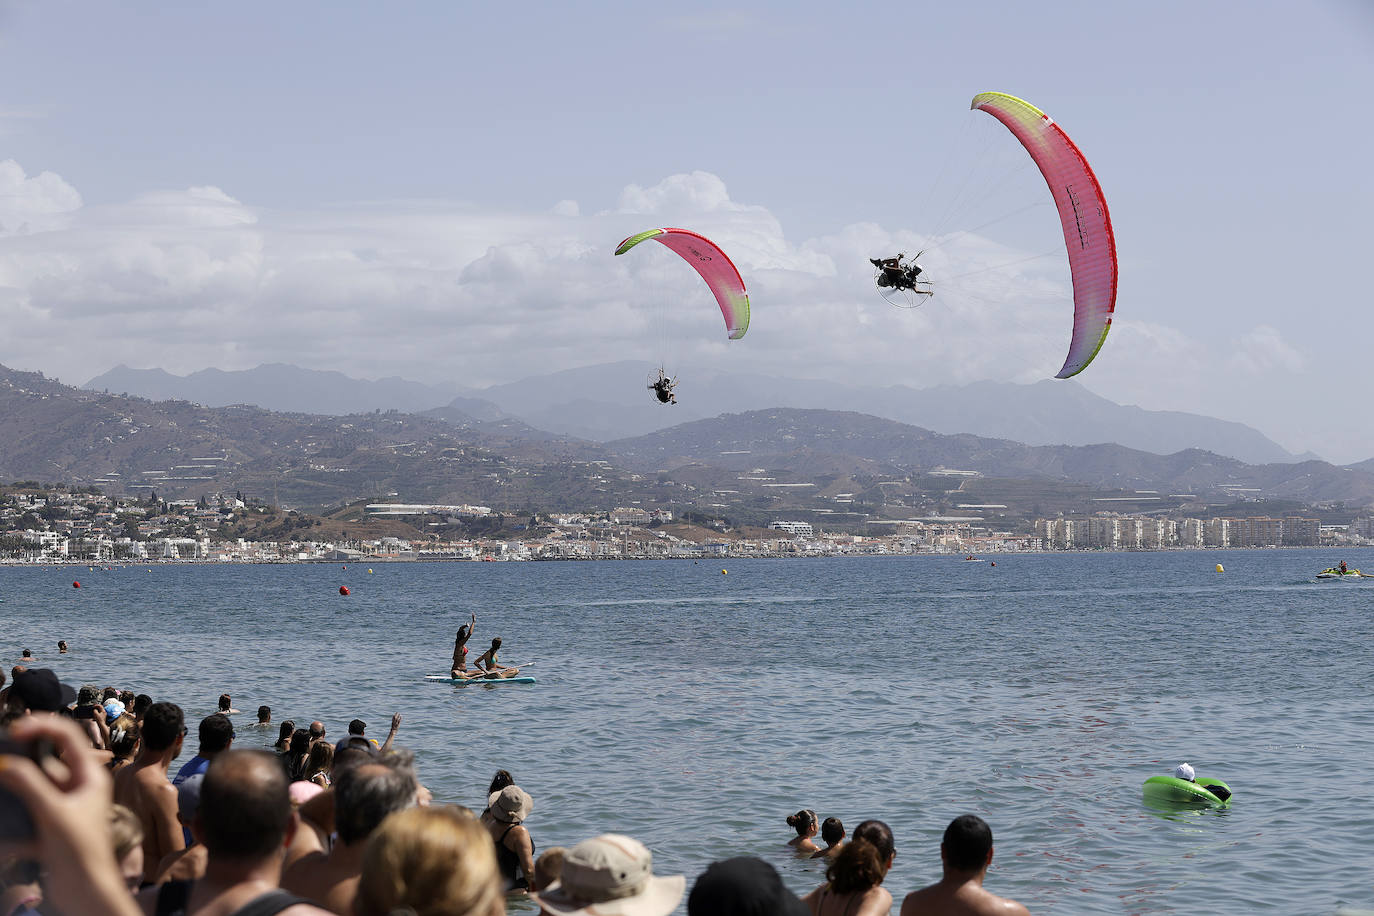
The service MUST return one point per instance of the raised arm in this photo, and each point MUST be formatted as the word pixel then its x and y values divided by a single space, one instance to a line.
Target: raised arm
pixel 391 735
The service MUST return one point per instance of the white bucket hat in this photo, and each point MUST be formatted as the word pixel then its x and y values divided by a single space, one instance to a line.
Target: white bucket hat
pixel 1184 771
pixel 611 875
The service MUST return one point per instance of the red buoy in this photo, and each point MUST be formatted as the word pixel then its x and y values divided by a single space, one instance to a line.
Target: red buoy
pixel 76 585
pixel 343 590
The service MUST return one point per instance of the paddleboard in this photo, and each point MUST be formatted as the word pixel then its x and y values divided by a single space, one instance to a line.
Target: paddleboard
pixel 492 682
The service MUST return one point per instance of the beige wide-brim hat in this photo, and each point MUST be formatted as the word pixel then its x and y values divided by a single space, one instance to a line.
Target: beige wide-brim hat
pixel 511 805
pixel 611 875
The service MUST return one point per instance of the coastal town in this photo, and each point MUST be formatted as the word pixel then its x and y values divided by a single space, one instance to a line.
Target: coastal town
pixel 56 524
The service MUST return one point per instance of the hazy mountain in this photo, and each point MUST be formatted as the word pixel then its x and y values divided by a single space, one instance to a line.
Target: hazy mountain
pixel 277 386
pixel 777 441
pixel 609 401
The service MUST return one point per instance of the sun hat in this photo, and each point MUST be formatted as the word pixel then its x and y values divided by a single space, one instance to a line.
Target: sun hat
pixel 611 875
pixel 113 710
pixel 40 690
pixel 511 805
pixel 1184 771
pixel 744 886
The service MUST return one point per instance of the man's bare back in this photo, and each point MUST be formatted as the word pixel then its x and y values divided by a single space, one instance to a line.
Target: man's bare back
pixel 142 787
pixel 959 896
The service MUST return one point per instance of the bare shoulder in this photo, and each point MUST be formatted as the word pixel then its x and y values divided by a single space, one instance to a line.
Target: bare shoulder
pixel 305 909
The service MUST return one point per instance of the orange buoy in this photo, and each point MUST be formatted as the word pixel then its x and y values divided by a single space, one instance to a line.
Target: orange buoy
pixel 76 585
pixel 343 590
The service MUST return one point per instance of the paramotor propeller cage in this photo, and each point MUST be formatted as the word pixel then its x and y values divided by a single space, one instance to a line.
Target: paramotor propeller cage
pixel 905 298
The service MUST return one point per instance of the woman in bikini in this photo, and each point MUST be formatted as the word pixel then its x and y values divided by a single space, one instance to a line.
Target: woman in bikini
pixel 460 649
pixel 487 666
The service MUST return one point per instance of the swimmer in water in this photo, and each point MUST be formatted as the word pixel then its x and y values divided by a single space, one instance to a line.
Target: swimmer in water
pixel 832 832
pixel 806 824
pixel 460 649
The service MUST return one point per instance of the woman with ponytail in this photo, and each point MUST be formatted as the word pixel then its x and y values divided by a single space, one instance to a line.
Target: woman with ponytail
pixel 806 824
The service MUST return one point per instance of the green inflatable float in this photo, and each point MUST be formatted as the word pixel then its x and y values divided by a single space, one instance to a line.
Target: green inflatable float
pixel 1173 789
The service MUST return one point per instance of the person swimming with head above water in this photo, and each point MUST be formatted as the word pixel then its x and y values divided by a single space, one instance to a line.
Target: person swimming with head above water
pixel 806 823
pixel 1185 772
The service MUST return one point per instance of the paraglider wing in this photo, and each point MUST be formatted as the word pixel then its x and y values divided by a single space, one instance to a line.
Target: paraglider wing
pixel 1083 214
pixel 715 268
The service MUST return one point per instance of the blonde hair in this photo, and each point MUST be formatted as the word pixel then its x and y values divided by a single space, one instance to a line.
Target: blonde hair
pixel 126 832
pixel 435 861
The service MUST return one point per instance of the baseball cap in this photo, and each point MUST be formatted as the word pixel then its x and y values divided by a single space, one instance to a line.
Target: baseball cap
pixel 40 690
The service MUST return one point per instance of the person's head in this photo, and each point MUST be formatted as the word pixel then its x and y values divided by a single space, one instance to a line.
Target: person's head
pixel 804 821
pixel 350 757
pixel 163 728
pixel 264 715
pixel 39 690
pixel 113 709
pixel 109 693
pixel 300 743
pixel 357 727
pixel 225 704
pixel 612 875
pixel 244 813
pixel 216 734
pixel 88 695
pixel 141 704
pixel 27 655
pixel 464 632
pixel 967 845
pixel 188 798
pixel 285 731
pixel 365 795
pixel 496 644
pixel 548 868
pixel 863 862
pixel 61 645
pixel 126 834
pixel 301 792
pixel 511 805
pixel 832 831
pixel 316 730
pixel 124 736
pixel 742 887
pixel 502 779
pixel 321 758
pixel 127 698
pixel 435 861
pixel 1185 771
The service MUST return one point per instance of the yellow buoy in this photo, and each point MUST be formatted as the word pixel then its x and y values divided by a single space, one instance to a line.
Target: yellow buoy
pixel 369 572
pixel 724 572
pixel 1220 568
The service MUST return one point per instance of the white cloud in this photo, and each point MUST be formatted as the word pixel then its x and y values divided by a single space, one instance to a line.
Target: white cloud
pixel 33 204
pixel 448 291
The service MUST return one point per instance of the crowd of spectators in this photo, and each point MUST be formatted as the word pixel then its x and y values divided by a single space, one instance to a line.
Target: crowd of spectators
pixel 93 824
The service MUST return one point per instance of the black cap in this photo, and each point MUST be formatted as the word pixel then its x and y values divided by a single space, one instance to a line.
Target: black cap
pixel 40 690
pixel 746 886
pixel 357 727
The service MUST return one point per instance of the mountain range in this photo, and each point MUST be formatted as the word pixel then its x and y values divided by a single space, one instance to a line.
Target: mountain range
pixel 606 402
pixel 753 464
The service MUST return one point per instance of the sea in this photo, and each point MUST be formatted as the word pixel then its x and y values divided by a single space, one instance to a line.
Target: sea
pixel 695 704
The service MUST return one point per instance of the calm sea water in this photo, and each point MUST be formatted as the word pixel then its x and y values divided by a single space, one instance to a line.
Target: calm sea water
pixel 695 710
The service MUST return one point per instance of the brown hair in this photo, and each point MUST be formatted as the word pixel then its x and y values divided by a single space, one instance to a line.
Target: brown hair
pixel 435 861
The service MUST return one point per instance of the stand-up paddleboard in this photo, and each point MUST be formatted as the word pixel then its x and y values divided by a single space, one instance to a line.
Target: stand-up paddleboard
pixel 488 681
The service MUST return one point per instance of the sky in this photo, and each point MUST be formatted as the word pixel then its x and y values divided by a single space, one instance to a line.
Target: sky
pixel 433 190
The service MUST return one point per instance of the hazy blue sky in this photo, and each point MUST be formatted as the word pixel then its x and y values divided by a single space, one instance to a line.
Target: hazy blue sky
pixel 433 190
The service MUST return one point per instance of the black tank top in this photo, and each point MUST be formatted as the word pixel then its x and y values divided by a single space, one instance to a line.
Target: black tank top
pixel 509 863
